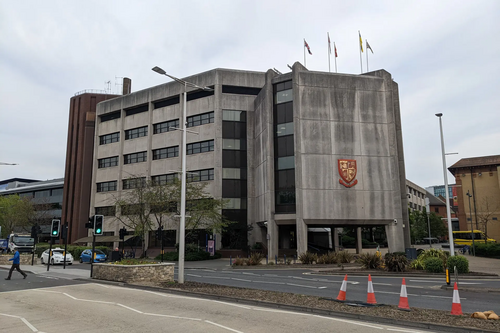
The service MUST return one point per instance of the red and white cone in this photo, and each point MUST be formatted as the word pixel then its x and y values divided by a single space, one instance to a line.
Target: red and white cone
pixel 371 294
pixel 343 289
pixel 456 307
pixel 403 297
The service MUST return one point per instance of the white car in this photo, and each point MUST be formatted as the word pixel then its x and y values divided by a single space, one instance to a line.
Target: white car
pixel 57 257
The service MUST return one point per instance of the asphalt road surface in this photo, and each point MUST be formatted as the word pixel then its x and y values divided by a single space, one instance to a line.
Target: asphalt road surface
pixel 92 307
pixel 422 292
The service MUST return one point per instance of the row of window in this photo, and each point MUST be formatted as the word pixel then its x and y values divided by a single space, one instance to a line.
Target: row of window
pixel 197 120
pixel 169 152
pixel 42 194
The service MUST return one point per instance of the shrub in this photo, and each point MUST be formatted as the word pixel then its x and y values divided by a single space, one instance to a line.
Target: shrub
pixel 370 260
pixel 239 262
pixel 488 250
pixel 255 259
pixel 396 262
pixel 344 257
pixel 460 262
pixel 308 258
pixel 433 265
pixel 348 241
pixel 328 258
pixel 419 263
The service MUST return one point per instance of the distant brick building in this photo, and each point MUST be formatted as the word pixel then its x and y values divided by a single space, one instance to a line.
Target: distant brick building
pixel 478 184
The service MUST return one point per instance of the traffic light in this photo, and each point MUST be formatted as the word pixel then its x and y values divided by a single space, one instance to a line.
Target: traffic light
pixel 55 228
pixel 33 232
pixel 158 233
pixel 123 232
pixel 90 223
pixel 65 231
pixel 98 220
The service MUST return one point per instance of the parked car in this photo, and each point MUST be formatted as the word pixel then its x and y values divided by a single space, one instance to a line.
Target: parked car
pixel 57 257
pixel 87 254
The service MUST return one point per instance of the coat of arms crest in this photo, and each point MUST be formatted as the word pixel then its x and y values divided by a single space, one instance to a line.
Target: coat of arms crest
pixel 347 172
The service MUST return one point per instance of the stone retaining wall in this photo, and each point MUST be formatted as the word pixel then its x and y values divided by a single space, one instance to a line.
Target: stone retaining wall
pixel 24 258
pixel 134 273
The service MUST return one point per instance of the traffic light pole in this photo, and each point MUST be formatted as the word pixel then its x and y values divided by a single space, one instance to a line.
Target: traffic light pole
pixel 50 253
pixel 161 240
pixel 93 253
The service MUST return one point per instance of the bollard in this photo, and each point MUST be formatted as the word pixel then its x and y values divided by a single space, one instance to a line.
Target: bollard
pixel 276 259
pixel 447 276
pixel 267 259
pixel 230 261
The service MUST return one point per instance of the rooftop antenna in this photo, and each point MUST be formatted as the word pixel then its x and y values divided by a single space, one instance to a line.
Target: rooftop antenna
pixel 277 71
pixel 107 86
pixel 289 67
pixel 118 84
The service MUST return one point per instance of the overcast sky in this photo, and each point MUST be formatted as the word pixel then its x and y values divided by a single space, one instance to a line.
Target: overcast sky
pixel 443 54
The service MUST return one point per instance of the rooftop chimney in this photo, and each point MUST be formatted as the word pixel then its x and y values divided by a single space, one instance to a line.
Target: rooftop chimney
pixel 127 86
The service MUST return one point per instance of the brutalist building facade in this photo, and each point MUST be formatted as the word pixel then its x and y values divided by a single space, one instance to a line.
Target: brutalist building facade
pixel 288 151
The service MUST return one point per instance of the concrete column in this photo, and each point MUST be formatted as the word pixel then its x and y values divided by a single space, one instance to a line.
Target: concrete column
pixel 335 239
pixel 395 237
pixel 359 243
pixel 301 236
pixel 272 239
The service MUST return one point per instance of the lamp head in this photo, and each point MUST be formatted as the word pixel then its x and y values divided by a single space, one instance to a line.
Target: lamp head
pixel 159 70
pixel 437 114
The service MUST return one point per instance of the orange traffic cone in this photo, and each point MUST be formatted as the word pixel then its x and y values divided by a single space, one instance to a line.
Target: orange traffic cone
pixel 371 294
pixel 343 289
pixel 403 297
pixel 456 307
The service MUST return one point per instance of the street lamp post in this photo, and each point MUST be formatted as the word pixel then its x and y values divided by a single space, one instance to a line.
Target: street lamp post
pixel 471 226
pixel 182 226
pixel 448 210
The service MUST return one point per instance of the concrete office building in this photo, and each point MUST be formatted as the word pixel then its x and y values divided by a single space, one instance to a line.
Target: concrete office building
pixel 289 151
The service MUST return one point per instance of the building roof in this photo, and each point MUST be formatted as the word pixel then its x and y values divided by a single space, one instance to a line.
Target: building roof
pixel 476 162
pixel 41 185
pixel 433 200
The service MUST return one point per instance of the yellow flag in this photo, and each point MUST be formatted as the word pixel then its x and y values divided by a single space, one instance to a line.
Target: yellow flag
pixel 360 42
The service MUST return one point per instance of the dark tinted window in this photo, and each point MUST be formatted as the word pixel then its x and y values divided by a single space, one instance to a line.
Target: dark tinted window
pixel 240 90
pixel 107 162
pixel 109 138
pixel 165 153
pixel 106 186
pixel 110 116
pixel 166 102
pixel 233 129
pixel 234 188
pixel 199 94
pixel 200 147
pixel 137 109
pixel 200 119
pixel 135 157
pixel 234 159
pixel 166 126
pixel 136 132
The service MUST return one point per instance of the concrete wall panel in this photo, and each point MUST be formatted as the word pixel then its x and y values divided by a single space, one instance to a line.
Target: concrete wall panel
pixel 315 137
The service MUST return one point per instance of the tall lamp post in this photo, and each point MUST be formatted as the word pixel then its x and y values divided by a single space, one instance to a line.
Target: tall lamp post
pixel 448 210
pixel 471 226
pixel 182 227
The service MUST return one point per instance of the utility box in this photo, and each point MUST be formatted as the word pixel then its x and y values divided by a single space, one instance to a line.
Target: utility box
pixel 411 253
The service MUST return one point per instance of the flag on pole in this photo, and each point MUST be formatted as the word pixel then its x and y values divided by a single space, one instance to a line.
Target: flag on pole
pixel 329 45
pixel 368 47
pixel 335 49
pixel 307 46
pixel 360 42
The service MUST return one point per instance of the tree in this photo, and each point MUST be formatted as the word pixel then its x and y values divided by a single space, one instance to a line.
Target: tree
pixel 14 212
pixel 419 228
pixel 487 208
pixel 148 205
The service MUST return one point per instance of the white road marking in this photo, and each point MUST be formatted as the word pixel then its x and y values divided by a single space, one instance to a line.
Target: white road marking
pixel 300 285
pixel 270 282
pixel 225 327
pixel 27 323
pixel 168 316
pixel 127 307
pixel 383 284
pixel 427 281
pixel 321 287
pixel 241 280
pixel 350 322
pixel 194 275
pixel 250 274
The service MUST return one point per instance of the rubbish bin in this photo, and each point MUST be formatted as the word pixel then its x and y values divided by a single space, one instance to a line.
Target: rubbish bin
pixel 411 253
pixel 115 256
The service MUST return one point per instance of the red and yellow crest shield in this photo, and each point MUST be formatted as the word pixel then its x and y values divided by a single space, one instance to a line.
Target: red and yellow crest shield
pixel 347 172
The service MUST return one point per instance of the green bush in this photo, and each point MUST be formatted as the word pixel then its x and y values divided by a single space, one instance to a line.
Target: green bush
pixel 491 250
pixel 308 258
pixel 433 265
pixel 396 262
pixel 344 257
pixel 460 262
pixel 419 263
pixel 255 259
pixel 328 258
pixel 370 260
pixel 348 241
pixel 239 262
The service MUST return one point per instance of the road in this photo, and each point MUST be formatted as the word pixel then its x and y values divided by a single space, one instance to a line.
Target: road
pixel 92 307
pixel 422 292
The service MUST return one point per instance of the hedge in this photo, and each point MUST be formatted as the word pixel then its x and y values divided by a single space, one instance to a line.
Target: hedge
pixel 460 262
pixel 488 250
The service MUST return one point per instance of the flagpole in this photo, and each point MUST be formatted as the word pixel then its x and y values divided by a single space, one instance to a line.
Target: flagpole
pixel 367 69
pixel 335 49
pixel 305 65
pixel 360 56
pixel 328 50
